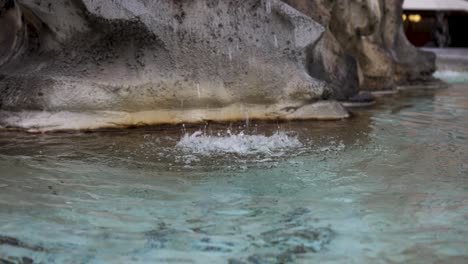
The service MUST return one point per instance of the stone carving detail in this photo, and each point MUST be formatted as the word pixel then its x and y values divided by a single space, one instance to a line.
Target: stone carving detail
pixel 170 61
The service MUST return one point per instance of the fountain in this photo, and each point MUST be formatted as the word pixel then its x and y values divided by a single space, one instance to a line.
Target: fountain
pixel 100 64
pixel 171 131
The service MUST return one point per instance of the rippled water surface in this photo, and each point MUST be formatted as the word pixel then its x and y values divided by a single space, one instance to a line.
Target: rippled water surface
pixel 389 185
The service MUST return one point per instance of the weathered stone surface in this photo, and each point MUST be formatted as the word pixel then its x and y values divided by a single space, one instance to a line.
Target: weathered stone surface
pixel 372 32
pixel 11 33
pixel 66 120
pixel 411 64
pixel 323 110
pixel 134 56
pixel 328 60
pixel 170 61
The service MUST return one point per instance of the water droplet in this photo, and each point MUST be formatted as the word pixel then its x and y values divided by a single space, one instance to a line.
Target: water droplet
pixel 268 6
pixel 175 25
pixel 295 38
pixel 252 61
pixel 229 53
pixel 247 118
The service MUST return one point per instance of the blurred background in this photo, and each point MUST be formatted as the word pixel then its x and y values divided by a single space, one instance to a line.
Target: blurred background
pixel 436 23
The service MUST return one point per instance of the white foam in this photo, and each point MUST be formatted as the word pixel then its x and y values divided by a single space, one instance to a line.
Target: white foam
pixel 241 144
pixel 452 76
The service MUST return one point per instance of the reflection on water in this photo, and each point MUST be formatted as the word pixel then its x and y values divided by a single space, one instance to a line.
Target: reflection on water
pixel 388 186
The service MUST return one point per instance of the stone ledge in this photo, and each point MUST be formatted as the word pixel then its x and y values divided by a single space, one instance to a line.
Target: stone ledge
pixel 41 121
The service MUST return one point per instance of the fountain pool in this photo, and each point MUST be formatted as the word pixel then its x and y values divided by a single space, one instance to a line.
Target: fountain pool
pixel 389 185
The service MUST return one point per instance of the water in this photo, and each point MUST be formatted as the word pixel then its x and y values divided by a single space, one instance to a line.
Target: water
pixel 207 145
pixel 389 185
pixel 198 91
pixel 451 76
pixel 229 54
pixel 268 6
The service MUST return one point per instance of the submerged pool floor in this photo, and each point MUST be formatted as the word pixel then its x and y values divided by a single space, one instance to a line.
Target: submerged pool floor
pixel 389 185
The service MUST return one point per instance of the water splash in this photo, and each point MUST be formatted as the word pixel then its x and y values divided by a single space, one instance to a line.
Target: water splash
pixel 295 36
pixel 268 6
pixel 241 144
pixel 247 119
pixel 175 25
pixel 252 61
pixel 230 54
pixel 198 91
pixel 452 76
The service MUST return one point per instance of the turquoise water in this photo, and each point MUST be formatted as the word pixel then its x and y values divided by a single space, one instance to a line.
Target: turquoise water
pixel 389 185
